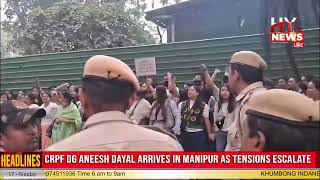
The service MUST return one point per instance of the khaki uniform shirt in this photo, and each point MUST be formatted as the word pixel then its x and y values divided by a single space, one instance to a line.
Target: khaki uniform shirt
pixel 236 129
pixel 112 131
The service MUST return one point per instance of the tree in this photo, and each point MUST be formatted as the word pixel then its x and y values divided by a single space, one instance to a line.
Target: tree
pixel 155 29
pixel 4 41
pixel 73 25
pixel 5 38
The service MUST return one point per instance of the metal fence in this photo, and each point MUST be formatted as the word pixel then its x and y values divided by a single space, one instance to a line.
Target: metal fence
pixel 181 58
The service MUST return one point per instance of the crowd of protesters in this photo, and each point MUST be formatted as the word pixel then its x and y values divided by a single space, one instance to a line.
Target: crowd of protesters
pixel 201 114
pixel 63 113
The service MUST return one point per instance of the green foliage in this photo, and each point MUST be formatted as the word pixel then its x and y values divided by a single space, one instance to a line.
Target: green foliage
pixel 4 40
pixel 74 26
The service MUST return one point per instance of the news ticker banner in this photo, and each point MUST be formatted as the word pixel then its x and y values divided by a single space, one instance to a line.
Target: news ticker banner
pixel 160 174
pixel 163 165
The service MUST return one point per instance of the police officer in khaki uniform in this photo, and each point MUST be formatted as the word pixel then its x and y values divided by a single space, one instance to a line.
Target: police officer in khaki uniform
pixel 108 89
pixel 245 78
pixel 281 120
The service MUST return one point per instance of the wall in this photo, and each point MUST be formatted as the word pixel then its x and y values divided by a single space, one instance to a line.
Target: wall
pixel 183 59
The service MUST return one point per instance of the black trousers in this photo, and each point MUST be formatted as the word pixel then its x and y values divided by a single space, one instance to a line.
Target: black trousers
pixel 194 141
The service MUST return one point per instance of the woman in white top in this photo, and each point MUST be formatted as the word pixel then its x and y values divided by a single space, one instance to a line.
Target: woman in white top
pixel 196 128
pixel 223 116
pixel 164 112
pixel 51 111
pixel 139 112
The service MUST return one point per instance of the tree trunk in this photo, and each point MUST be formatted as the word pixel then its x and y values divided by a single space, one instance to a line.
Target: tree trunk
pixel 159 33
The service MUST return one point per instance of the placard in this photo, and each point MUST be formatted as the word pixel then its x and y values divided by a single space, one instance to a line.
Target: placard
pixel 145 66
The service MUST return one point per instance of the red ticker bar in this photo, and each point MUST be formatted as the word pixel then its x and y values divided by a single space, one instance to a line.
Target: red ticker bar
pixel 180 160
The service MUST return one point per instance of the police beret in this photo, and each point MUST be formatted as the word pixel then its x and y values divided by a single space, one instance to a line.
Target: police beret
pixel 110 68
pixel 284 104
pixel 249 58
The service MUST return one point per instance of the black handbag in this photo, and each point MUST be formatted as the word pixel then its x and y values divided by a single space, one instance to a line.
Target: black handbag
pixel 220 122
pixel 49 130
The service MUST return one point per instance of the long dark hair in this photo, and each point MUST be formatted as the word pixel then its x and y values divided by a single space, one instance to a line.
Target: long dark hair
pixel 197 88
pixel 12 95
pixel 3 93
pixel 31 97
pixel 197 102
pixel 160 101
pixel 47 93
pixel 38 99
pixel 68 96
pixel 231 101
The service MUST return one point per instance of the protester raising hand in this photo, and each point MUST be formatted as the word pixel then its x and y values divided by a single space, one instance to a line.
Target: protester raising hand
pixel 172 85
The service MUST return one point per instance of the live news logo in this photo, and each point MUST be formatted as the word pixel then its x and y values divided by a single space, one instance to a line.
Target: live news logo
pixel 287 32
